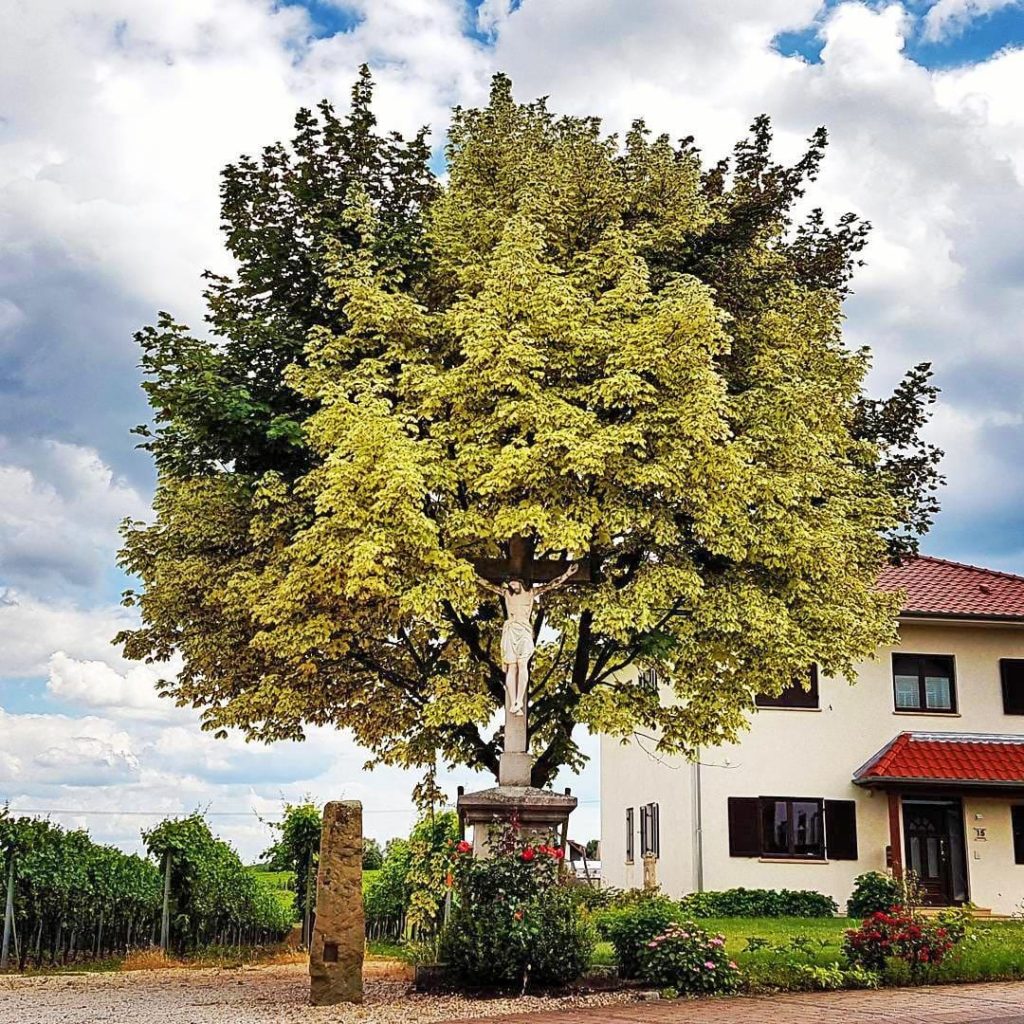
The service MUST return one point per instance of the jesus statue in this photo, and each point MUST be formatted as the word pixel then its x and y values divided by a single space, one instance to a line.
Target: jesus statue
pixel 517 633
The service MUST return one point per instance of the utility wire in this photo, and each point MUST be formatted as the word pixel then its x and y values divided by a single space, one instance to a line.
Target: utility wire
pixel 212 814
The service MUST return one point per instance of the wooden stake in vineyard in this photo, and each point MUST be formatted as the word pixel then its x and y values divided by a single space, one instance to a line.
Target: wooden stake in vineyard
pixel 8 913
pixel 165 918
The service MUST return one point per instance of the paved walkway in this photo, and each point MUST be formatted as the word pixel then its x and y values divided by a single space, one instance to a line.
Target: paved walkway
pixel 992 1003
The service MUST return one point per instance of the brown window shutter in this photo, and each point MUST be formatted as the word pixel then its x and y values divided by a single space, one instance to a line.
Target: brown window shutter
pixel 1012 672
pixel 841 829
pixel 744 826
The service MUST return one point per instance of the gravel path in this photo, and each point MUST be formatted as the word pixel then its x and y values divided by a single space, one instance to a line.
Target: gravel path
pixel 250 995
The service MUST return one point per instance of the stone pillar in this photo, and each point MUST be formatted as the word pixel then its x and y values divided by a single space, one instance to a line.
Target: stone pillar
pixel 650 871
pixel 336 952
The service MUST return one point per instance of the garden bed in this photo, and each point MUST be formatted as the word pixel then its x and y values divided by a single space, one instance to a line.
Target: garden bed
pixel 992 951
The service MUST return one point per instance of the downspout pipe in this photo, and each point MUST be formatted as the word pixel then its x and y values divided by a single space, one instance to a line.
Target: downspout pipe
pixel 698 828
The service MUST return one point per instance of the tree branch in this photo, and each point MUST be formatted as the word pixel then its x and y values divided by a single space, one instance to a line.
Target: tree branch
pixel 469 633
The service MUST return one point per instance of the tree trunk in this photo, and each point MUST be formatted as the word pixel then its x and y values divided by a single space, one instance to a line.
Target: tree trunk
pixel 8 915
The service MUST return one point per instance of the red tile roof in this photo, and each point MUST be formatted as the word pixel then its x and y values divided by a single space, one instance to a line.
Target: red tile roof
pixel 933 586
pixel 962 757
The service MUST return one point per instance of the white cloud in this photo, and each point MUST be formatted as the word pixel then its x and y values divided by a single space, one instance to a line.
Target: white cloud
pixel 95 684
pixel 951 17
pixel 31 631
pixel 60 507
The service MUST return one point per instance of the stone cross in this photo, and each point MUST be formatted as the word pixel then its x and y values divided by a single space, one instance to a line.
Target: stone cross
pixel 339 935
pixel 535 575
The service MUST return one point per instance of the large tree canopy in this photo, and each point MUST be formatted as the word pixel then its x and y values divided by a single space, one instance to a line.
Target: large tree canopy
pixel 595 343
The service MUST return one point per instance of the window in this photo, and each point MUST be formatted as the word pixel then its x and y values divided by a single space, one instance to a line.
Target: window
pixel 650 830
pixel 796 695
pixel 1011 671
pixel 1017 818
pixel 924 682
pixel 629 835
pixel 792 827
pixel 648 679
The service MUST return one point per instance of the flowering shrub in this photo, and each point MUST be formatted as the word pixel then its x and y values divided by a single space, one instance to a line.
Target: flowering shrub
pixel 631 926
pixel 513 923
pixel 686 958
pixel 897 934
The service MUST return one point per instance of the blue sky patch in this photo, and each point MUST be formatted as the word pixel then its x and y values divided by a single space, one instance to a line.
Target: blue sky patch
pixel 328 18
pixel 985 35
pixel 981 39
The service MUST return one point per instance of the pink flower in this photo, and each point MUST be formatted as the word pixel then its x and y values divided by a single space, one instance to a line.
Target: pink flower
pixel 734 965
pixel 716 942
pixel 709 965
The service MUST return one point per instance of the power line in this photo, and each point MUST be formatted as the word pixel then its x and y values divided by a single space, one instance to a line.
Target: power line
pixel 211 814
pixel 186 814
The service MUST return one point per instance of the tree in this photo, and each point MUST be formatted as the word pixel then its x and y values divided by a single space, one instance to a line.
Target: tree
pixel 603 346
pixel 298 850
pixel 373 856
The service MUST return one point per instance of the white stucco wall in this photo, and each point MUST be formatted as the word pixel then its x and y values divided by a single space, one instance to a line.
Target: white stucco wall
pixel 801 753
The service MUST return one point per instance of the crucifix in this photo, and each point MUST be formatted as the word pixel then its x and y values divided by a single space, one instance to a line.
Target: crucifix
pixel 520 580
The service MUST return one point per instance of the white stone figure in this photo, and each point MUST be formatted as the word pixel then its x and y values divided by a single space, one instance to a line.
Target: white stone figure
pixel 517 632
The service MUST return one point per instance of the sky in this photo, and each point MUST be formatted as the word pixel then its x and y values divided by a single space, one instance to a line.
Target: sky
pixel 115 119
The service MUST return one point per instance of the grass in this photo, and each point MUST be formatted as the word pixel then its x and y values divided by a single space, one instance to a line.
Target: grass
pixel 275 879
pixel 283 883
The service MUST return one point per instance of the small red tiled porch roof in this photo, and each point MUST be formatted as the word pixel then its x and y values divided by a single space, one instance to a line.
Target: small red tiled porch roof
pixel 961 758
pixel 934 587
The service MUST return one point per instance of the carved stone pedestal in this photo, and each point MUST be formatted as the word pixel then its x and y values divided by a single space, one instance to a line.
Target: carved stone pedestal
pixel 541 814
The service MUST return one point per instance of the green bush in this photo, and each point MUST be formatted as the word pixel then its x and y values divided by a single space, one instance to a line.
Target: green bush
pixel 513 924
pixel 630 927
pixel 830 978
pixel 758 903
pixel 684 957
pixel 873 892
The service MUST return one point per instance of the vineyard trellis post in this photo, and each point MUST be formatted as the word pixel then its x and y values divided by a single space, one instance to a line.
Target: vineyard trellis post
pixel 8 913
pixel 165 916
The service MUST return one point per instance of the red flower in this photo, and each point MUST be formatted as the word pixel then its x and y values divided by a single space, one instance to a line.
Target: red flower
pixel 463 847
pixel 528 853
pixel 558 853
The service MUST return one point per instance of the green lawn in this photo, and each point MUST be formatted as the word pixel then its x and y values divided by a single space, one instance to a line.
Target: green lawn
pixel 283 883
pixel 992 950
pixel 275 879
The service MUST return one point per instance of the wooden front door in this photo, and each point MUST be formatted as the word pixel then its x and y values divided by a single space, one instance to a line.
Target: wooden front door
pixel 934 836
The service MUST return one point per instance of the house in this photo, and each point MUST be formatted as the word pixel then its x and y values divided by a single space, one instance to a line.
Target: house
pixel 920 763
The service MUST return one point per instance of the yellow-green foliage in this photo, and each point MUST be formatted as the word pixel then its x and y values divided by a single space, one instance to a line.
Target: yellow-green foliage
pixel 594 343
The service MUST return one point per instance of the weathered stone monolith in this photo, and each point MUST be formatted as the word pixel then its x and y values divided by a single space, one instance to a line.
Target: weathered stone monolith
pixel 336 950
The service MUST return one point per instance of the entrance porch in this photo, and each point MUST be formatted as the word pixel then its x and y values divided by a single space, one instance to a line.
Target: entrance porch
pixel 956 815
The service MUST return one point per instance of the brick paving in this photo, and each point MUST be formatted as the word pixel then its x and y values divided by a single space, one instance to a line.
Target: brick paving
pixel 990 1003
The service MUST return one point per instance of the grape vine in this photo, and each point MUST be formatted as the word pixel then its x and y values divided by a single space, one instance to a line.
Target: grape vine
pixel 71 899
